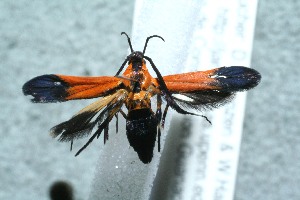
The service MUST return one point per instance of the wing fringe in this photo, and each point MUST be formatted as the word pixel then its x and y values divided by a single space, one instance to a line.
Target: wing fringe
pixel 82 124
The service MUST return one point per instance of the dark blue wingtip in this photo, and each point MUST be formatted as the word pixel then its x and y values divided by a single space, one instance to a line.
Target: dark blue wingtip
pixel 237 78
pixel 46 88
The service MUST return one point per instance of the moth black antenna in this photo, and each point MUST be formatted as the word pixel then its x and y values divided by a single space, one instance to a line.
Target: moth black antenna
pixel 148 38
pixel 129 42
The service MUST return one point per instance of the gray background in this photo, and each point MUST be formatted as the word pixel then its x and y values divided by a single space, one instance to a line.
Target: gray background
pixel 83 39
pixel 269 166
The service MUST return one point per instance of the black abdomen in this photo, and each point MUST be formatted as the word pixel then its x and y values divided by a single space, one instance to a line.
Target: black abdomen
pixel 141 130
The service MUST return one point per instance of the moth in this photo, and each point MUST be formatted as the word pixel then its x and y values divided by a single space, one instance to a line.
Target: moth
pixel 135 90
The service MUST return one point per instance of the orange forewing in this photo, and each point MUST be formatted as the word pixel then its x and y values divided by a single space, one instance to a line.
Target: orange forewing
pixel 89 87
pixel 189 82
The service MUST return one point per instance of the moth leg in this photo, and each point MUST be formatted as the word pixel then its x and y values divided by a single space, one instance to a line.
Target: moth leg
pixel 158 118
pixel 71 145
pixel 123 114
pixel 105 134
pixel 167 94
pixel 86 144
pixel 117 119
pixel 164 116
pixel 117 122
pixel 113 105
pixel 101 127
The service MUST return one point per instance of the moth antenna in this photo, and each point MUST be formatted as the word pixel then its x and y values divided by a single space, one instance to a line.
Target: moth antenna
pixel 128 39
pixel 148 38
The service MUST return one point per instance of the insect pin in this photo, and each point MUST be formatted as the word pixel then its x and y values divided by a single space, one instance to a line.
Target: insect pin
pixel 135 89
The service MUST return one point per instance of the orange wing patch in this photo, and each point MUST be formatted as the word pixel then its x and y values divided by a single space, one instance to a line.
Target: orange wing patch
pixel 89 87
pixel 193 81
